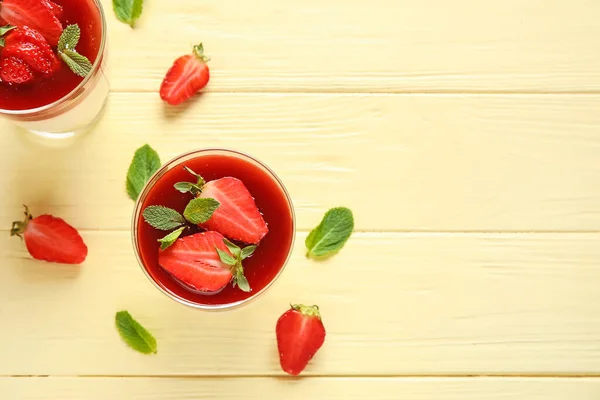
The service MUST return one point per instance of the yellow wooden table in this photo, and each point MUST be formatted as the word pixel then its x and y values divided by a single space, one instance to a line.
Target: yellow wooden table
pixel 464 135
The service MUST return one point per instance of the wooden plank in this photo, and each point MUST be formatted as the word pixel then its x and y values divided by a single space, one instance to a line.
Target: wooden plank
pixel 401 162
pixel 289 389
pixel 392 304
pixel 387 45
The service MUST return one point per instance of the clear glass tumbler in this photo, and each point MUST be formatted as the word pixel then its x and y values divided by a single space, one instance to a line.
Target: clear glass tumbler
pixel 76 112
pixel 272 199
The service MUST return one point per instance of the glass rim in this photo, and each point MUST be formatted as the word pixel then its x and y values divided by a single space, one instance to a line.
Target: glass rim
pixel 154 179
pixel 93 72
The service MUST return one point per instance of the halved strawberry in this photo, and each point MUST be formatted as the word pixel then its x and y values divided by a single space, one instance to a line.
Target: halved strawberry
pixel 188 75
pixel 37 59
pixel 300 334
pixel 194 261
pixel 14 71
pixel 35 14
pixel 237 217
pixel 50 239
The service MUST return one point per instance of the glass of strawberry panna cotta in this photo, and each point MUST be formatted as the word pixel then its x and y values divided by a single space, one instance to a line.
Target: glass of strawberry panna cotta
pixel 52 55
pixel 213 229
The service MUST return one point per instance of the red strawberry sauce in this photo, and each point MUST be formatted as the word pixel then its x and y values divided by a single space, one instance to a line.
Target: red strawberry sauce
pixel 269 258
pixel 48 90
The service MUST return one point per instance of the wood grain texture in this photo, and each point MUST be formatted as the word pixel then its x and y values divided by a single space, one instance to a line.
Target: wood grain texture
pixel 392 304
pixel 383 46
pixel 400 162
pixel 299 389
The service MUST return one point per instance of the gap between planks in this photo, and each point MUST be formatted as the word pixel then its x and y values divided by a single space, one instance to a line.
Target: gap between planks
pixel 337 92
pixel 590 376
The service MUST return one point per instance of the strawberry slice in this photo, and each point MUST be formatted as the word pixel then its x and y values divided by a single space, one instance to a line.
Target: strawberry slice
pixel 35 14
pixel 37 59
pixel 14 71
pixel 50 239
pixel 300 334
pixel 188 75
pixel 237 217
pixel 194 261
pixel 56 9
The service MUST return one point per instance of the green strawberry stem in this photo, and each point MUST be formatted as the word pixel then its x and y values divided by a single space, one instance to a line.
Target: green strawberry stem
pixel 199 52
pixel 235 263
pixel 18 227
pixel 309 311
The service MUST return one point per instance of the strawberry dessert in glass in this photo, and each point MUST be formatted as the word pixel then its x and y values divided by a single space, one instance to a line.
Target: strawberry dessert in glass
pixel 213 228
pixel 52 55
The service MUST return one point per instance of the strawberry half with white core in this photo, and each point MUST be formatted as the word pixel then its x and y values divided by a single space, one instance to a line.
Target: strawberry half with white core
pixel 300 334
pixel 188 75
pixel 36 14
pixel 237 216
pixel 50 239
pixel 206 262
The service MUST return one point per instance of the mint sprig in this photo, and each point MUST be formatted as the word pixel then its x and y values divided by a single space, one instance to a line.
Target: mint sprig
pixel 78 63
pixel 163 218
pixel 145 162
pixel 234 261
pixel 199 210
pixel 128 11
pixel 134 334
pixel 332 233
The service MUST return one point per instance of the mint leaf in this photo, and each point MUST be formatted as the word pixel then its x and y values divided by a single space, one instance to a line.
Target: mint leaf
pixel 226 258
pixel 200 210
pixel 163 218
pixel 128 11
pixel 79 64
pixel 134 334
pixel 331 234
pixel 236 251
pixel 69 38
pixel 248 251
pixel 168 240
pixel 145 163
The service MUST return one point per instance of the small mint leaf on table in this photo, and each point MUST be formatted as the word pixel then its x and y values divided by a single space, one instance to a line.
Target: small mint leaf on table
pixel 145 163
pixel 163 218
pixel 78 63
pixel 168 240
pixel 128 11
pixel 134 334
pixel 332 233
pixel 199 210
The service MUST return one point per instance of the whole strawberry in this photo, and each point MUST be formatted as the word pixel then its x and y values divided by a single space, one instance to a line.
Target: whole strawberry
pixel 188 75
pixel 300 334
pixel 50 239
